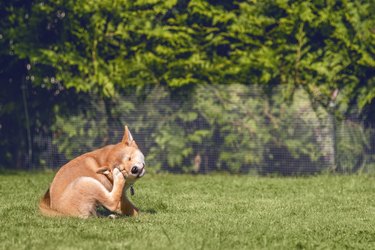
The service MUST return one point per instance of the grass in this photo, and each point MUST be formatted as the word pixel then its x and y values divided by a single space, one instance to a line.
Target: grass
pixel 202 212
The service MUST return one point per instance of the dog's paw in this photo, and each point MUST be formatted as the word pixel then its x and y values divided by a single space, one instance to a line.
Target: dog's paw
pixel 118 176
pixel 113 216
pixel 116 171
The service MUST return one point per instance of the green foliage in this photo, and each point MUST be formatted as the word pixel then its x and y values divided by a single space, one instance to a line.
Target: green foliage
pixel 319 46
pixel 104 47
pixel 96 52
pixel 353 143
pixel 77 129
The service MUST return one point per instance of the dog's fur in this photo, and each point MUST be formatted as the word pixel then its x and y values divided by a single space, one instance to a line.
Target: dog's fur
pixel 100 177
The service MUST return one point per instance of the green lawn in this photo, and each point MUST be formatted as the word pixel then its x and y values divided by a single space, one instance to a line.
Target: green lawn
pixel 202 212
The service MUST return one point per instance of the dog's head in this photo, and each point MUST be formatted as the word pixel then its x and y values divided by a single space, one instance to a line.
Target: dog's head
pixel 127 157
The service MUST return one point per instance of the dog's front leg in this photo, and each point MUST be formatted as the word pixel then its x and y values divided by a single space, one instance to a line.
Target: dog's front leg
pixel 114 197
pixel 126 207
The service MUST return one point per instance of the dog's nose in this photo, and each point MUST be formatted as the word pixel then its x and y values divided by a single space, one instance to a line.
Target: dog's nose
pixel 134 170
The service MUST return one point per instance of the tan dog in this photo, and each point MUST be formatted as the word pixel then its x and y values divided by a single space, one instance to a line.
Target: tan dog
pixel 100 177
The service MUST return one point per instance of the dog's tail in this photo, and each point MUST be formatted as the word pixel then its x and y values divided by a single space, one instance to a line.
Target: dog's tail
pixel 45 206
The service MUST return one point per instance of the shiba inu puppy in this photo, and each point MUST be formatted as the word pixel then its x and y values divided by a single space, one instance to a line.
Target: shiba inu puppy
pixel 97 178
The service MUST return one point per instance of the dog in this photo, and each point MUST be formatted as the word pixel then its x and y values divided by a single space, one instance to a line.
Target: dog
pixel 97 178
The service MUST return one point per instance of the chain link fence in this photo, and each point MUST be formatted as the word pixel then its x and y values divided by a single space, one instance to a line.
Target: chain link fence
pixel 232 128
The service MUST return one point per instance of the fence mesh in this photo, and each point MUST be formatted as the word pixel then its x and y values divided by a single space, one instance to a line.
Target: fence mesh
pixel 232 128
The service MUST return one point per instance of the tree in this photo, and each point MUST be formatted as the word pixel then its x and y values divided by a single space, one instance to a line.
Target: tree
pixel 67 52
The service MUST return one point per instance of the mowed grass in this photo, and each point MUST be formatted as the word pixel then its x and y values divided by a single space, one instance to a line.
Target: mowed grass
pixel 202 212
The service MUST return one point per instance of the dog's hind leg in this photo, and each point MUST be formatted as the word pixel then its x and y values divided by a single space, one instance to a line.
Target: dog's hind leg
pixel 127 207
pixel 82 195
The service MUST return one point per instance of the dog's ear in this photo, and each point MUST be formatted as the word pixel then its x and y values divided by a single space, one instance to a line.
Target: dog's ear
pixel 127 139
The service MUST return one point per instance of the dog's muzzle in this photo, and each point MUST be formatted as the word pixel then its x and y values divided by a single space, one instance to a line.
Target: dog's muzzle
pixel 141 172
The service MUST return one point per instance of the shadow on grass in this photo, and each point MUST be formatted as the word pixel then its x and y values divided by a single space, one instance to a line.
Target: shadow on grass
pixel 103 212
pixel 149 211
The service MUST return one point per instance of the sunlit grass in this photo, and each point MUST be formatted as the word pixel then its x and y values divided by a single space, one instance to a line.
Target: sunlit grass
pixel 202 212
